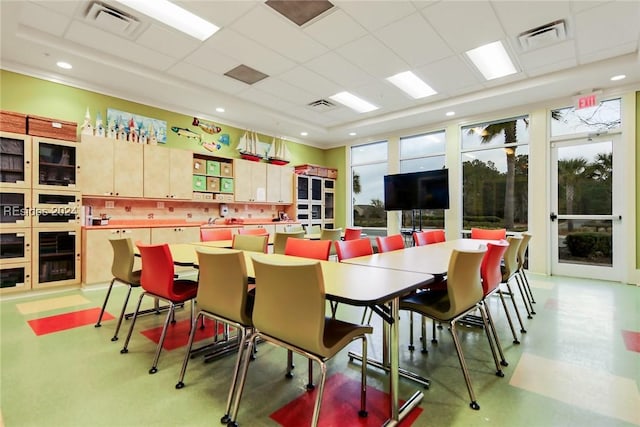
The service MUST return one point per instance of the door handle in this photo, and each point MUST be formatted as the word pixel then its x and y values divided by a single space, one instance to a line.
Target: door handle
pixel 553 216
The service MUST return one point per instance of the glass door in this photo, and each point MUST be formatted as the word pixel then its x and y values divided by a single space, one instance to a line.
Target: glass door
pixel 15 160
pixel 585 208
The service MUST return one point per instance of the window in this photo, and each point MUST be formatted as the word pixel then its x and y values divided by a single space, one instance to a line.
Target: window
pixel 422 153
pixel 368 168
pixel 495 164
pixel 603 117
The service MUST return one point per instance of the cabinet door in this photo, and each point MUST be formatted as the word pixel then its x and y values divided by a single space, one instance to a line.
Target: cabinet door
pixel 128 169
pixel 274 188
pixel 55 164
pixel 96 154
pixel 56 257
pixel 15 163
pixel 180 176
pixel 175 235
pixel 156 177
pixel 286 184
pixel 96 267
pixel 250 181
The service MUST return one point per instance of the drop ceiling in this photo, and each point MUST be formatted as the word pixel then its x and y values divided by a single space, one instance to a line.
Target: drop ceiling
pixel 353 46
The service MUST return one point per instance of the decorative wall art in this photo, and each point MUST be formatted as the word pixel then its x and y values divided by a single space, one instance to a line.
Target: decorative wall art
pixel 135 125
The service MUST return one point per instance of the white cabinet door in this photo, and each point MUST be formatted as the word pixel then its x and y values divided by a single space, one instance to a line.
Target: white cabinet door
pixel 250 180
pixel 127 169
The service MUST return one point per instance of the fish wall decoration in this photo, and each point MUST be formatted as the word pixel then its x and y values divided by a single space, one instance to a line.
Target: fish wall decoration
pixel 208 127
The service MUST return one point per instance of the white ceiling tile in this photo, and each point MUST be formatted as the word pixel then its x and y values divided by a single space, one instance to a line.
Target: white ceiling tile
pixel 611 52
pixel 373 15
pixel 450 76
pixel 265 99
pixel 335 29
pixel 203 77
pixel 606 26
pixel 337 69
pixel 304 78
pixel 371 55
pixel 519 16
pixel 284 90
pixel 209 58
pixel 64 7
pixel 249 52
pixel 168 41
pixel 43 19
pixel 414 40
pixel 547 68
pixel 542 58
pixel 220 12
pixel 454 19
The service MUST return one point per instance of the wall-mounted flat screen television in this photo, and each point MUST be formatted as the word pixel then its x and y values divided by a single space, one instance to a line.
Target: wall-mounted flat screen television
pixel 417 190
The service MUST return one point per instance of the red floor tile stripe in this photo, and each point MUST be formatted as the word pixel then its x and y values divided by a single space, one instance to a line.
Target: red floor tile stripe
pixel 340 406
pixel 631 340
pixel 63 322
pixel 178 333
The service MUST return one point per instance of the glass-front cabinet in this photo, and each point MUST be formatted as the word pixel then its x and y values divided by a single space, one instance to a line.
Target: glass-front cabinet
pixel 56 256
pixel 328 202
pixel 15 277
pixel 15 160
pixel 52 208
pixel 15 208
pixel 15 245
pixel 55 164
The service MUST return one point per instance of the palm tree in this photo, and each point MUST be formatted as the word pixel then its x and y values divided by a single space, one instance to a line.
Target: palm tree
pixel 570 172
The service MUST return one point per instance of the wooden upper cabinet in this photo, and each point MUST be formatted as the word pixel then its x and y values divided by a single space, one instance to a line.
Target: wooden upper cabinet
pixel 250 180
pixel 279 184
pixel 113 168
pixel 167 173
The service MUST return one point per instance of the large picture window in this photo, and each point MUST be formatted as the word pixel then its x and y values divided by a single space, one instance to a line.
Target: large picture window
pixel 422 153
pixel 368 168
pixel 495 164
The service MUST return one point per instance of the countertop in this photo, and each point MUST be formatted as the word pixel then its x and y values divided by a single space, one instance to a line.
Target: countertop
pixel 155 223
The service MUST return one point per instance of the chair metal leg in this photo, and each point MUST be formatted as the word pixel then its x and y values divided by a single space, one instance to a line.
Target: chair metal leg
pixel 234 380
pixel 310 385
pixel 104 304
pixel 527 286
pixel 506 311
pixel 363 380
pixel 463 365
pixel 411 346
pixel 290 364
pixel 133 323
pixel 192 335
pixel 124 309
pixel 515 307
pixel 170 315
pixel 492 325
pixel 525 296
pixel 241 382
pixel 316 406
pixel 423 328
pixel 488 329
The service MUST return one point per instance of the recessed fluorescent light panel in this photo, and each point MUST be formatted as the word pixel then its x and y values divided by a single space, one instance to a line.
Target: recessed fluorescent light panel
pixel 353 102
pixel 64 65
pixel 412 85
pixel 618 77
pixel 492 60
pixel 174 16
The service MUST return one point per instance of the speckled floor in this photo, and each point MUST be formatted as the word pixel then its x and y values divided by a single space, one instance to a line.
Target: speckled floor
pixel 578 365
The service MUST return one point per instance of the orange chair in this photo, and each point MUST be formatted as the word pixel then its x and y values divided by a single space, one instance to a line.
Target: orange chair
pixel 315 249
pixel 352 233
pixel 489 234
pixel 346 249
pixel 390 243
pixel 427 237
pixel 211 234
pixel 254 231
pixel 158 282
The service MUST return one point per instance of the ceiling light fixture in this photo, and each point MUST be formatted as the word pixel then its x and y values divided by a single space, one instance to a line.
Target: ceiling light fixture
pixel 492 60
pixel 304 133
pixel 450 113
pixel 64 65
pixel 618 77
pixel 174 16
pixel 411 85
pixel 353 102
pixel 220 110
pixel 352 134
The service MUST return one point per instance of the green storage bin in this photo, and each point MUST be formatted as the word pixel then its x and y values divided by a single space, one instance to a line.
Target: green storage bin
pixel 226 185
pixel 213 167
pixel 199 183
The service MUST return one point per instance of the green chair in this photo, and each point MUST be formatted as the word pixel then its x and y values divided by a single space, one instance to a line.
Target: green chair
pixel 280 239
pixel 250 242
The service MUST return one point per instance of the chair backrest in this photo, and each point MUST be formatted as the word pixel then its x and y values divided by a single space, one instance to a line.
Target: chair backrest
pixel 330 234
pixel 223 284
pixel 287 311
pixel 252 243
pixel 351 233
pixel 489 234
pixel 522 250
pixel 315 249
pixel 157 270
pixel 463 281
pixel 293 227
pixel 211 234
pixel 259 231
pixel 123 259
pixel 390 243
pixel 346 249
pixel 510 265
pixel 280 239
pixel 313 229
pixel 427 237
pixel 490 271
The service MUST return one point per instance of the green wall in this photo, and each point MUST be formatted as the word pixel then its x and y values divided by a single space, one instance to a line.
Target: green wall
pixel 336 158
pixel 39 97
pixel 637 180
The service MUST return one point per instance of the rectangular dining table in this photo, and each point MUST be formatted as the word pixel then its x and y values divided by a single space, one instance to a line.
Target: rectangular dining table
pixel 377 288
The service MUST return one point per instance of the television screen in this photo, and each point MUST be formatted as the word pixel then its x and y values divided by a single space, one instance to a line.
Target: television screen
pixel 417 190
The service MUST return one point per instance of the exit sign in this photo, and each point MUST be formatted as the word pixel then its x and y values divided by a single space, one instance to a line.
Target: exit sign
pixel 586 101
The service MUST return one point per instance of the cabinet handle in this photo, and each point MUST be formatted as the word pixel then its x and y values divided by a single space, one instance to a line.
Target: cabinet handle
pixel 28 162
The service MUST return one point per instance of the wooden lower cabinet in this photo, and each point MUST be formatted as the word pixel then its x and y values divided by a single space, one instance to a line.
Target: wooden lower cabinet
pixel 175 235
pixel 98 254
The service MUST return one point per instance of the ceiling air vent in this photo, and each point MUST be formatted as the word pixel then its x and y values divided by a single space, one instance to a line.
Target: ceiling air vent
pixel 543 36
pixel 322 105
pixel 110 19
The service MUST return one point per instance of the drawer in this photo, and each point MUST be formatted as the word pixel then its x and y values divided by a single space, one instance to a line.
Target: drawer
pixel 226 169
pixel 199 183
pixel 213 168
pixel 213 184
pixel 226 185
pixel 199 166
pixel 52 128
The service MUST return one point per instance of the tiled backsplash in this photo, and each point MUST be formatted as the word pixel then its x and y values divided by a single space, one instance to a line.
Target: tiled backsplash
pixel 179 210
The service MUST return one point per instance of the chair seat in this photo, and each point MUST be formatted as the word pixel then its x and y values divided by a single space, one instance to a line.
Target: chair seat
pixel 434 304
pixel 135 276
pixel 185 290
pixel 337 333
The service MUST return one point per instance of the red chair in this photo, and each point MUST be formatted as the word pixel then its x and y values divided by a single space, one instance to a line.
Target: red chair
pixel 212 234
pixel 158 282
pixel 352 233
pixel 315 249
pixel 428 237
pixel 390 243
pixel 346 249
pixel 254 231
pixel 489 234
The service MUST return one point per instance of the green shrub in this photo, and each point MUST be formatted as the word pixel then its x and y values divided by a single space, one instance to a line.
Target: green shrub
pixel 589 244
